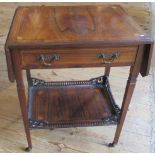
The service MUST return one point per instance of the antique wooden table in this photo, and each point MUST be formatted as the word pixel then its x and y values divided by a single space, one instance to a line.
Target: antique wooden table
pixel 46 37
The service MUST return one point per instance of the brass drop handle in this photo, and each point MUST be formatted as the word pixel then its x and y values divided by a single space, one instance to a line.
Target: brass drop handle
pixel 48 59
pixel 108 58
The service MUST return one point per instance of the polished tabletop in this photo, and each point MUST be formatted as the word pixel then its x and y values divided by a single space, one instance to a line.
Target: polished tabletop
pixel 74 24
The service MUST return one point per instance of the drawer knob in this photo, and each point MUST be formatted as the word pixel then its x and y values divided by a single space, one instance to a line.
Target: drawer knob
pixel 48 59
pixel 108 58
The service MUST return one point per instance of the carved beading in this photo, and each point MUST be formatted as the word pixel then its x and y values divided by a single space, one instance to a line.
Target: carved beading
pixel 95 81
pixel 44 124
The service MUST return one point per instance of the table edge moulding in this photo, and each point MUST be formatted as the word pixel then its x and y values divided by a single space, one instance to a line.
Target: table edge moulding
pixel 47 37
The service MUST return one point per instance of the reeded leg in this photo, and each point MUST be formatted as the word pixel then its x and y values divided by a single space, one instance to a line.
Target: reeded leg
pixel 107 71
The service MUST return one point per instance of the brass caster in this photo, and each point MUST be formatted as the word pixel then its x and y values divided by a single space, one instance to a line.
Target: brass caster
pixel 111 144
pixel 28 149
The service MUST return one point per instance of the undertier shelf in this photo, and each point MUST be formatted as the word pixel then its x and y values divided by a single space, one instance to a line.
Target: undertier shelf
pixel 71 103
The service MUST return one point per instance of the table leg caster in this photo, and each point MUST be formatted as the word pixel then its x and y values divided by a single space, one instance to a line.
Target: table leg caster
pixel 28 149
pixel 111 144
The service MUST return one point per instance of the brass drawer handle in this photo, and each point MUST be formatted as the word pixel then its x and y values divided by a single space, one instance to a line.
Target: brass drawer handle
pixel 48 59
pixel 108 58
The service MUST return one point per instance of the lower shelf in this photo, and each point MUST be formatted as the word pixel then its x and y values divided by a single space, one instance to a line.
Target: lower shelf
pixel 71 103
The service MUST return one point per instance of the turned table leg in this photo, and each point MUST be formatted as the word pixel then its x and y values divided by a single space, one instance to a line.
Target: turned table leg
pixel 22 100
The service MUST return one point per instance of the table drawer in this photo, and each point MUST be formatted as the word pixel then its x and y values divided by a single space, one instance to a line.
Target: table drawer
pixel 45 58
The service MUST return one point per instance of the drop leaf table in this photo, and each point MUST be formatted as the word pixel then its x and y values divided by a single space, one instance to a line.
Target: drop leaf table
pixel 47 37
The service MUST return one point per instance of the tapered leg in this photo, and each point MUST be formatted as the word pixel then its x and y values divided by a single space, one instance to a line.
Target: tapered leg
pixel 28 74
pixel 107 71
pixel 134 71
pixel 22 99
pixel 24 110
pixel 126 101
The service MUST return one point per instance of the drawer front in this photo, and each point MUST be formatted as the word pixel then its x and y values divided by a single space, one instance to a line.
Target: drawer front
pixel 78 57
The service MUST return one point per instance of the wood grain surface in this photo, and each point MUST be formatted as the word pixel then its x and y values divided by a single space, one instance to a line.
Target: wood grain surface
pixel 73 24
pixel 69 58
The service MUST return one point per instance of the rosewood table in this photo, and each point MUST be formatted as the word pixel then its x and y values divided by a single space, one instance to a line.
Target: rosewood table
pixel 47 37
